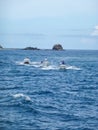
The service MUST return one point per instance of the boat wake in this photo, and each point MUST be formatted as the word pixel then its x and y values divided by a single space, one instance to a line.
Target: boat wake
pixel 35 64
pixel 50 67
pixel 72 68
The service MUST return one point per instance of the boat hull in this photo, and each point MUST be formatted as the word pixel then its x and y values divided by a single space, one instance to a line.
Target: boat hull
pixel 63 67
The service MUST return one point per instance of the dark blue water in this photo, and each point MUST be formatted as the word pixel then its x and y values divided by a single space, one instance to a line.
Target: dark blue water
pixel 32 98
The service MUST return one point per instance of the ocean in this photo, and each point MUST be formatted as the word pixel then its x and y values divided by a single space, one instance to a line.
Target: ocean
pixel 37 98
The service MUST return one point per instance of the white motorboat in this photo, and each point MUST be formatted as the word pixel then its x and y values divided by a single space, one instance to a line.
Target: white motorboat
pixel 45 63
pixel 62 66
pixel 26 61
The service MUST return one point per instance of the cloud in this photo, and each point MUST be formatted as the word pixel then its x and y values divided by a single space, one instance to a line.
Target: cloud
pixel 92 38
pixel 95 31
pixel 88 40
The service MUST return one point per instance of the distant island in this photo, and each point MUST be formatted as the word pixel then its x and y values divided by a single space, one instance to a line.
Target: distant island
pixel 57 47
pixel 31 48
pixel 1 47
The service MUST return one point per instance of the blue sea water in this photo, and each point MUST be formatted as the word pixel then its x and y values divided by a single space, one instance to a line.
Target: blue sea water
pixel 34 98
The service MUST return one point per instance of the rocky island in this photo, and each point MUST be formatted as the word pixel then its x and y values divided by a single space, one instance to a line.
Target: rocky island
pixel 1 47
pixel 31 48
pixel 57 47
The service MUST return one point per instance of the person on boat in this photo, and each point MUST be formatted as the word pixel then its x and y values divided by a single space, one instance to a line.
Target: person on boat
pixel 62 62
pixel 62 65
pixel 26 60
pixel 41 62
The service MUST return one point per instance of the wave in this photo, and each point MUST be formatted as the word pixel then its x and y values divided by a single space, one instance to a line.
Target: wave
pixel 21 95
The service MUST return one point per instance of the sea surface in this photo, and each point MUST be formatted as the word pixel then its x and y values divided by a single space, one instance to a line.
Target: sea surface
pixel 37 98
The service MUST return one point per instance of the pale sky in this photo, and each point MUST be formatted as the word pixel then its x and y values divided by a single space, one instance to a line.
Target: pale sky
pixel 43 23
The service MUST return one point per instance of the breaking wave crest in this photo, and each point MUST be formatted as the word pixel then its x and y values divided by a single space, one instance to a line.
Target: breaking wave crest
pixel 21 95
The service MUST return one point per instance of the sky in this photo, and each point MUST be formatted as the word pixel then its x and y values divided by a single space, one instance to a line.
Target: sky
pixel 43 23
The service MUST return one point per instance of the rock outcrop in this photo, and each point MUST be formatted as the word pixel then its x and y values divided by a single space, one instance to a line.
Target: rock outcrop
pixel 1 47
pixel 31 48
pixel 57 47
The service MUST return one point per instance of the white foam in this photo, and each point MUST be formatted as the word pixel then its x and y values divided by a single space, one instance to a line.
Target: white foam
pixel 49 68
pixel 34 64
pixel 19 95
pixel 21 63
pixel 73 68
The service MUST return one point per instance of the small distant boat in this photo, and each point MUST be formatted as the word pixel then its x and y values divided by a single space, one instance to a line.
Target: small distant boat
pixel 26 61
pixel 45 63
pixel 63 67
